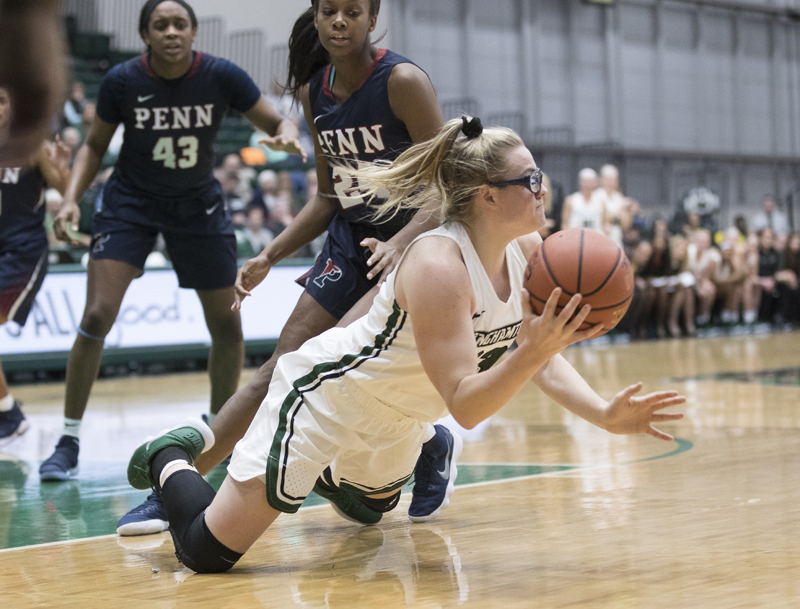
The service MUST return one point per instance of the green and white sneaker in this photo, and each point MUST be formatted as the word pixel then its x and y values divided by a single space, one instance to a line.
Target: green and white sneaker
pixel 345 503
pixel 193 436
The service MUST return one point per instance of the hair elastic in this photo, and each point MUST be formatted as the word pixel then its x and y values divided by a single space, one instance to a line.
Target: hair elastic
pixel 472 128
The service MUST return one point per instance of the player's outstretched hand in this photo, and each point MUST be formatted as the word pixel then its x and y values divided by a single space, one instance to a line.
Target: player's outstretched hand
pixel 385 256
pixel 549 333
pixel 67 217
pixel 628 414
pixel 281 143
pixel 252 273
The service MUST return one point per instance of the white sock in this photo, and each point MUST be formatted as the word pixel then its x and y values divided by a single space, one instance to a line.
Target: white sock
pixel 750 316
pixel 211 418
pixel 72 427
pixel 7 403
pixel 172 467
pixel 430 432
pixel 703 319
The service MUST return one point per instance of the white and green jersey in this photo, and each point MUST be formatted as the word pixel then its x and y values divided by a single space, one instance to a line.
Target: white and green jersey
pixel 380 354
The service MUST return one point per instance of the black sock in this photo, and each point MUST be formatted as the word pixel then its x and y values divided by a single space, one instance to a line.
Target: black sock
pixel 164 456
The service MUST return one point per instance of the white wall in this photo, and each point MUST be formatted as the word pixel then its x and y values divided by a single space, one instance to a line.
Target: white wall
pixel 275 18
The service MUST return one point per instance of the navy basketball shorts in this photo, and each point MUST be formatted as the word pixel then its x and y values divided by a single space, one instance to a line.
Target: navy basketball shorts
pixel 22 271
pixel 198 234
pixel 339 277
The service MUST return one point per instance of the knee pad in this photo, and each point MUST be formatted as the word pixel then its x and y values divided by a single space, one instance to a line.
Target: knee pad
pixel 199 550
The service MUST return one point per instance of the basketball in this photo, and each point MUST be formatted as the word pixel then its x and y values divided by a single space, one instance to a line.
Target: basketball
pixel 587 262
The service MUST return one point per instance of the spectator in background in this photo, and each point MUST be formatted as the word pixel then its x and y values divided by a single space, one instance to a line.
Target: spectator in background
pixel 617 212
pixel 230 189
pixel 770 217
pixel 267 192
pixel 87 116
pixel 255 235
pixel 788 284
pixel 582 209
pixel 233 164
pixel 280 213
pixel 702 261
pixel 654 272
pixel 769 263
pixel 633 323
pixel 73 107
pixel 729 278
pixel 682 283
pixel 71 137
pixel 740 223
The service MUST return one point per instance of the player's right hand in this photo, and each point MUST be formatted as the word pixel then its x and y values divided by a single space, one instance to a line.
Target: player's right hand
pixel 252 273
pixel 67 217
pixel 550 333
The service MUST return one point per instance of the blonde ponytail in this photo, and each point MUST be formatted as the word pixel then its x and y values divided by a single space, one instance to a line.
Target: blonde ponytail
pixel 440 176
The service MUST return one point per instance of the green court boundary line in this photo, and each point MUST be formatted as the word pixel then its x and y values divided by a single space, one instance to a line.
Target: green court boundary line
pixel 683 446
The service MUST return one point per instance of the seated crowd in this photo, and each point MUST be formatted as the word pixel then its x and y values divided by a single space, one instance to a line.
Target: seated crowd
pixel 689 274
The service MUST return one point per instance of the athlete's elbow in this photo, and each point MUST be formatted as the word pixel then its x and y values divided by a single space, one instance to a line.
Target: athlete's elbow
pixel 466 419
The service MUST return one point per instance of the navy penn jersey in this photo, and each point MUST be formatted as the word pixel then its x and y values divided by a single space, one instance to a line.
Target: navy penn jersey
pixel 363 129
pixel 21 207
pixel 171 125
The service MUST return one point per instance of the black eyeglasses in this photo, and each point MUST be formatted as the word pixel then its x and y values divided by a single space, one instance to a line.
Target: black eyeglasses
pixel 532 181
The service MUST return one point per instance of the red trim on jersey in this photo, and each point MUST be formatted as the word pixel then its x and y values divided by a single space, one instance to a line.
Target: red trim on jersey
pixel 195 64
pixel 146 65
pixel 192 71
pixel 327 78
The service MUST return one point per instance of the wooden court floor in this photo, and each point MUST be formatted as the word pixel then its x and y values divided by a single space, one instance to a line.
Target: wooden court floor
pixel 549 512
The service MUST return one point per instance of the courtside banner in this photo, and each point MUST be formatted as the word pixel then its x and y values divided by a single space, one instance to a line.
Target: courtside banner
pixel 154 313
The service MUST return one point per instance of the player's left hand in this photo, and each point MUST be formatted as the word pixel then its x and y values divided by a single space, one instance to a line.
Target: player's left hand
pixel 628 414
pixel 385 256
pixel 281 143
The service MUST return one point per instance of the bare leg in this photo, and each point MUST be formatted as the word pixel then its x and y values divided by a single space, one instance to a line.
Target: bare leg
pixel 107 282
pixel 678 299
pixel 226 357
pixel 688 312
pixel 306 321
pixel 662 306
pixel 240 513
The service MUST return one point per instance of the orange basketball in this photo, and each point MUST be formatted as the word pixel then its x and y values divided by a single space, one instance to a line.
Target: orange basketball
pixel 586 262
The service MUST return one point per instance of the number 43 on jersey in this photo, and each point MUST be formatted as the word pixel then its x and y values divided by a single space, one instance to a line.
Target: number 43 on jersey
pixel 187 145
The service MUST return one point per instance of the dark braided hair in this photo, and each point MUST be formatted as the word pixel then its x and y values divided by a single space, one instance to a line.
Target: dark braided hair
pixel 306 53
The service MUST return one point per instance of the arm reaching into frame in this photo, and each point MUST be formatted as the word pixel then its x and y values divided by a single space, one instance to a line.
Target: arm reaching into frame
pixel 626 413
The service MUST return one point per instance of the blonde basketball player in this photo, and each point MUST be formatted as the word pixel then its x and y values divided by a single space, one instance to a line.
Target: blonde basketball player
pixel 358 399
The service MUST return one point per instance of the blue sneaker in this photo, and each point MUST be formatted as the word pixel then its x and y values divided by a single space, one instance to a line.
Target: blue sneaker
pixel 63 463
pixel 435 475
pixel 12 424
pixel 147 518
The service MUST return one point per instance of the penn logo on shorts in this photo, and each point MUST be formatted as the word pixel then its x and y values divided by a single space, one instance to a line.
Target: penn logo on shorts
pixel 331 273
pixel 99 242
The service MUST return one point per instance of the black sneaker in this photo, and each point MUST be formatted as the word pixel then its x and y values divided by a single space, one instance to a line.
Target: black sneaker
pixel 63 463
pixel 12 424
